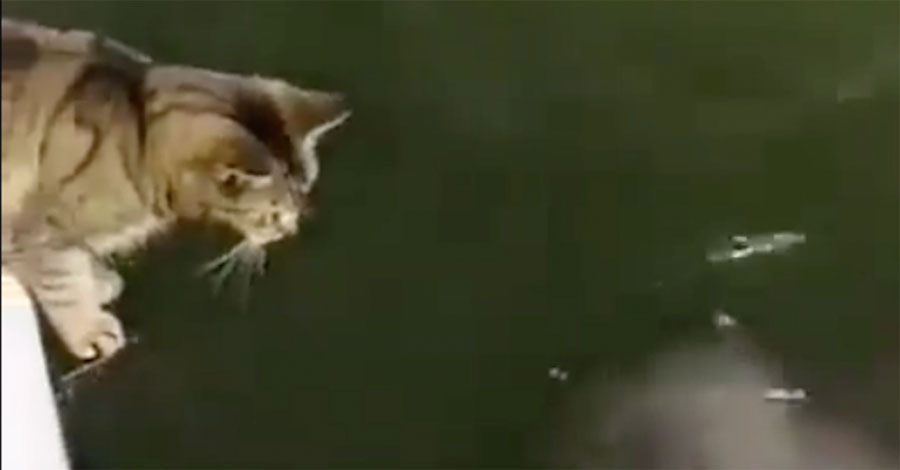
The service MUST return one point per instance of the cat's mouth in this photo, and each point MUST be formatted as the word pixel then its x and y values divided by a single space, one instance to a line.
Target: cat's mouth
pixel 263 229
pixel 248 256
pixel 271 233
pixel 266 237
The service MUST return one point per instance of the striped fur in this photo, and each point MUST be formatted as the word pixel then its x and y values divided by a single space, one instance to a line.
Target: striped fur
pixel 103 147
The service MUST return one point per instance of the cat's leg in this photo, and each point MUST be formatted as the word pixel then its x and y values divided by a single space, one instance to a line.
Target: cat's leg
pixel 63 283
pixel 109 283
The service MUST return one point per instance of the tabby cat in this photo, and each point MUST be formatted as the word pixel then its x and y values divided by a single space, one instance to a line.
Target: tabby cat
pixel 103 147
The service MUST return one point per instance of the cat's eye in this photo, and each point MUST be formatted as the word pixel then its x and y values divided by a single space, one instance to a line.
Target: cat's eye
pixel 230 183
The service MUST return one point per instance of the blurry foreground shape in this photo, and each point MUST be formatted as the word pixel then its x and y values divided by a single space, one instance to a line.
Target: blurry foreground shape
pixel 32 437
pixel 701 405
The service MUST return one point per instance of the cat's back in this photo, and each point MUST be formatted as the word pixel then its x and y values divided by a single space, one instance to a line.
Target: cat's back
pixel 44 72
pixel 39 64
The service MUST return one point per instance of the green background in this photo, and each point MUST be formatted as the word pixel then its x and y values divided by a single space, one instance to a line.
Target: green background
pixel 522 185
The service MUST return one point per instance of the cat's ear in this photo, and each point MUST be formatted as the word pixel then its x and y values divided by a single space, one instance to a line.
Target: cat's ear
pixel 315 109
pixel 303 110
pixel 323 112
pixel 307 115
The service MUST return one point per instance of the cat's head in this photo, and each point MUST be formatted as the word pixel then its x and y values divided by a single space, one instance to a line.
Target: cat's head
pixel 238 150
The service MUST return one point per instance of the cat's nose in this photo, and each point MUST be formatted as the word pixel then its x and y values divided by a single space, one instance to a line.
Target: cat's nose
pixel 288 223
pixel 283 222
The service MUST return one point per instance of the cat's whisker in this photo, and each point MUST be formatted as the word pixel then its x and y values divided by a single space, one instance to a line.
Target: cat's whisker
pixel 221 276
pixel 222 266
pixel 254 257
pixel 244 277
pixel 252 262
pixel 221 260
pixel 245 259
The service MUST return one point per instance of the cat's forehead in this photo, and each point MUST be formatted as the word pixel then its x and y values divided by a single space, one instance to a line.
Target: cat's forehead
pixel 286 119
pixel 263 103
pixel 262 118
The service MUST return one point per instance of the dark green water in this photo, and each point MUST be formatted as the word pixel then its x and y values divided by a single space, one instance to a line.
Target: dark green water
pixel 521 186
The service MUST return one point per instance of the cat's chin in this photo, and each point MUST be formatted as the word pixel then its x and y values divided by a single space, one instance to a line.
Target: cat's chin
pixel 259 237
pixel 262 240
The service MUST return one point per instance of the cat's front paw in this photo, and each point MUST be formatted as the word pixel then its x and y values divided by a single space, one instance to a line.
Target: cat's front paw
pixel 95 336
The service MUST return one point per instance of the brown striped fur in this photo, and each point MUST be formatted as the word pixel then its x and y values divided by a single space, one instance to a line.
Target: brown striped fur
pixel 103 147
